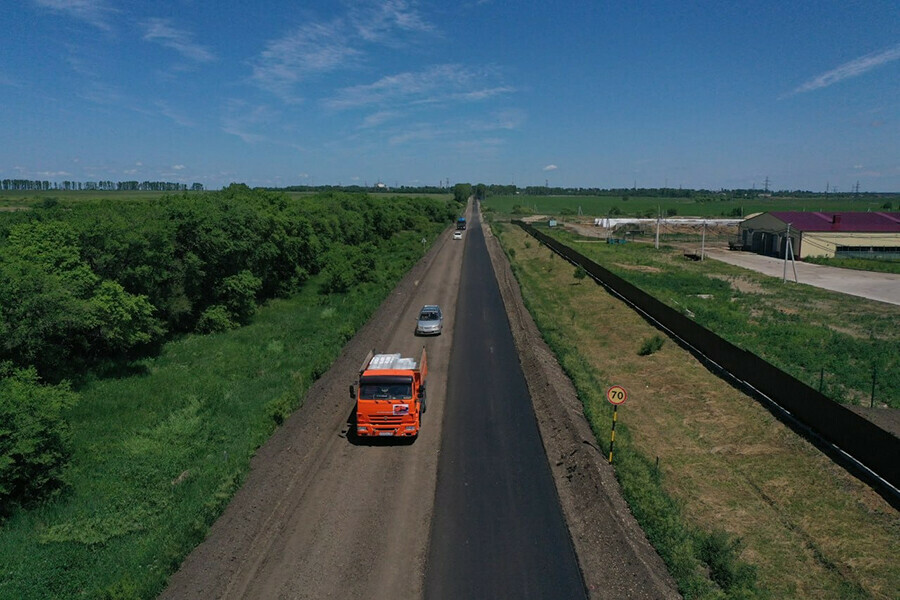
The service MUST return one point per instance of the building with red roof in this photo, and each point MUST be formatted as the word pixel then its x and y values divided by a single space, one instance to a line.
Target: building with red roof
pixel 829 234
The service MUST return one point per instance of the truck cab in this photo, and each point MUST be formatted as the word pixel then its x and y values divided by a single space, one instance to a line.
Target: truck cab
pixel 390 395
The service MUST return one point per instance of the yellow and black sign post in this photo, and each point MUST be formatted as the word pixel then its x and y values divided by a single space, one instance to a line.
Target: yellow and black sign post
pixel 616 396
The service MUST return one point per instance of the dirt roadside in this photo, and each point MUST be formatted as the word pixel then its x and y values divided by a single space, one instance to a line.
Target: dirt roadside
pixel 308 520
pixel 616 559
pixel 324 516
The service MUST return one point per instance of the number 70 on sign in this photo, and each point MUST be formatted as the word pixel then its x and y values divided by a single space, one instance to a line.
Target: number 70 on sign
pixel 616 395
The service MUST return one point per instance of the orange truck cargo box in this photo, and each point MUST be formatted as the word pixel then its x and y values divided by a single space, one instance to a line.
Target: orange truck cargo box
pixel 390 395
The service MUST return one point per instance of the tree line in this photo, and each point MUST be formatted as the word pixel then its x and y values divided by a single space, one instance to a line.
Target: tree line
pixel 144 186
pixel 88 286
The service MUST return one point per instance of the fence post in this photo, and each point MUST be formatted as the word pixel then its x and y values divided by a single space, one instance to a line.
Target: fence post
pixel 872 403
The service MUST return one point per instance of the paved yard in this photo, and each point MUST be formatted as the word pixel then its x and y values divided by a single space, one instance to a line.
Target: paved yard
pixel 884 287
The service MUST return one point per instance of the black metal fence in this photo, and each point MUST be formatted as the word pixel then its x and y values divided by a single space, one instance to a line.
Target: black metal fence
pixel 873 447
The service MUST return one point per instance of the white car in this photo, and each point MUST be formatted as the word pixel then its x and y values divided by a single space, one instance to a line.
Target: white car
pixel 430 321
pixel 457 235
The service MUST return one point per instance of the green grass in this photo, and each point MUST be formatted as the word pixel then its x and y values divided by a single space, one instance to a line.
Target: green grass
pixel 158 455
pixel 860 264
pixel 826 339
pixel 714 205
pixel 30 198
pixel 685 549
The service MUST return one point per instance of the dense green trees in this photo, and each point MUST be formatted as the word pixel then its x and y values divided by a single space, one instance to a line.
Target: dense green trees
pixel 55 311
pixel 33 436
pixel 90 284
pixel 462 191
pixel 96 281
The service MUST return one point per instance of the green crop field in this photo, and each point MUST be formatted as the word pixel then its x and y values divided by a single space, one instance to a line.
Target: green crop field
pixel 14 199
pixel 712 205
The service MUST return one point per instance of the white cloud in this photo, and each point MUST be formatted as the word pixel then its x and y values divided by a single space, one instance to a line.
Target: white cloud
pixel 178 167
pixel 436 84
pixel 94 12
pixel 416 133
pixel 850 69
pixel 550 168
pixel 178 117
pixel 310 49
pixel 255 124
pixel 380 20
pixel 100 93
pixel 162 32
pixel 379 118
pixel 485 93
pixel 504 119
pixel 323 47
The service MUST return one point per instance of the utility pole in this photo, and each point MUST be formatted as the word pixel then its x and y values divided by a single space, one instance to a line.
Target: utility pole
pixel 703 241
pixel 789 249
pixel 767 184
pixel 658 211
pixel 786 242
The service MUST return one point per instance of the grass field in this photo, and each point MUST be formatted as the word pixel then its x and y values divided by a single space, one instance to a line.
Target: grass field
pixel 829 340
pixel 714 206
pixel 10 200
pixel 159 453
pixel 14 200
pixel 860 264
pixel 806 527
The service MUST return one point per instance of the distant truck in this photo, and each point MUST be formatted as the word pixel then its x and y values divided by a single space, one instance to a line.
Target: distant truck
pixel 461 223
pixel 390 395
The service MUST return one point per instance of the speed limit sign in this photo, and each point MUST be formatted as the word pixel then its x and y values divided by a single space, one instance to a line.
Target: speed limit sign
pixel 616 395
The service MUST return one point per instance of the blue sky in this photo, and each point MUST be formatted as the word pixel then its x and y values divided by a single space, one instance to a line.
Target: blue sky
pixel 578 93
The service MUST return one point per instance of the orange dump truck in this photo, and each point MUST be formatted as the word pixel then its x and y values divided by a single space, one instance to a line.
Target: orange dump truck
pixel 390 396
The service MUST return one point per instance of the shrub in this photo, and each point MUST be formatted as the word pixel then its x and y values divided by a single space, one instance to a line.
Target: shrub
pixel 214 319
pixel 651 345
pixel 720 552
pixel 580 273
pixel 238 293
pixel 34 436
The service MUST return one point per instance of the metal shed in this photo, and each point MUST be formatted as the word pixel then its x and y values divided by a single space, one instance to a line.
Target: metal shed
pixel 827 234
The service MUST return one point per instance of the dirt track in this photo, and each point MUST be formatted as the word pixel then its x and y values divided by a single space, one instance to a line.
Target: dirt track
pixel 321 517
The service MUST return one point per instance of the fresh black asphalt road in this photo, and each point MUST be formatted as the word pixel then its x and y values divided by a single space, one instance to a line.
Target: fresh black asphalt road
pixel 497 529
